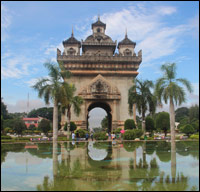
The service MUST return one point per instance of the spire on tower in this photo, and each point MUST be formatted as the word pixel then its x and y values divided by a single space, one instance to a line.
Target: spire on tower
pixel 72 31
pixel 98 17
pixel 126 33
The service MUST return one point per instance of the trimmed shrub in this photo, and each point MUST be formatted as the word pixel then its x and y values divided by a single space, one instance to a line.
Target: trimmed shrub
pixel 129 124
pixel 6 137
pixel 149 124
pixel 81 133
pixel 131 146
pixel 194 137
pixel 117 131
pixel 7 130
pixel 138 133
pixel 37 132
pixel 129 135
pixel 100 136
pixel 72 126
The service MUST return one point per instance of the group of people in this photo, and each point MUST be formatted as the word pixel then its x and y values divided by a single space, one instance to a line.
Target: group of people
pixel 87 136
pixel 112 136
pixel 77 136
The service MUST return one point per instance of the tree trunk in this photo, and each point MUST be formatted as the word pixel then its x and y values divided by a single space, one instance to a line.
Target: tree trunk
pixel 172 120
pixel 173 161
pixel 134 115
pixel 68 127
pixel 55 158
pixel 135 159
pixel 143 123
pixel 68 123
pixel 144 155
pixel 55 120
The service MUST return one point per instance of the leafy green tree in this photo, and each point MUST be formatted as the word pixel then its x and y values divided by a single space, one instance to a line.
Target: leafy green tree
pixel 44 126
pixel 68 100
pixel 50 88
pixel 32 127
pixel 149 124
pixel 163 122
pixel 141 95
pixel 104 123
pixel 19 126
pixel 72 126
pixel 180 113
pixel 195 124
pixel 17 115
pixel 168 89
pixel 45 112
pixel 194 112
pixel 184 121
pixel 4 111
pixel 97 129
pixel 1 123
pixel 187 129
pixel 8 123
pixel 129 124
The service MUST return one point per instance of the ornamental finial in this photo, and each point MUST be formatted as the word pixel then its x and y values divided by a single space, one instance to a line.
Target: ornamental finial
pixel 72 31
pixel 126 33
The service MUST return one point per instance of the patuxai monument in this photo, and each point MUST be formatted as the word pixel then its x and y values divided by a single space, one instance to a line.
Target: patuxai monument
pixel 102 76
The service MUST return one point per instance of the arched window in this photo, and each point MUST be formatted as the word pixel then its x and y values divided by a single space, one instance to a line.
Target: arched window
pixel 127 52
pixel 98 30
pixel 71 51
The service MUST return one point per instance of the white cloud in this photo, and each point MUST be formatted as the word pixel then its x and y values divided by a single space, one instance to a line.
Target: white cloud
pixel 146 27
pixel 21 105
pixel 6 19
pixel 166 10
pixel 194 25
pixel 15 67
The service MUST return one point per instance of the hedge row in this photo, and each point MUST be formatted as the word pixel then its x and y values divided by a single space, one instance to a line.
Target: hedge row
pixel 132 134
pixel 100 136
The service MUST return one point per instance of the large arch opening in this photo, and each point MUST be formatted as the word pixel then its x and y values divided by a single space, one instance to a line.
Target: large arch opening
pixel 100 105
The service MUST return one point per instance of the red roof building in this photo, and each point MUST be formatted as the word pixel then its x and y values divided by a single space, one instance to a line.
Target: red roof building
pixel 32 121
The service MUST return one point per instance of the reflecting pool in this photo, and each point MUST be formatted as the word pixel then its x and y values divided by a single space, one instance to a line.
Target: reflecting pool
pixel 100 166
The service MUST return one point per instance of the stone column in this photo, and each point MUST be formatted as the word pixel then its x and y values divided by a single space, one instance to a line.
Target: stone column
pixel 114 115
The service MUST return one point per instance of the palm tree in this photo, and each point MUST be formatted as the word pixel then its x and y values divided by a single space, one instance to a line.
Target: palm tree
pixel 141 95
pixel 69 100
pixel 50 88
pixel 167 88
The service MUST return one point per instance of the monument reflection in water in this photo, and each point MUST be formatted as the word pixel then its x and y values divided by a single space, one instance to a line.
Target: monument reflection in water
pixel 128 166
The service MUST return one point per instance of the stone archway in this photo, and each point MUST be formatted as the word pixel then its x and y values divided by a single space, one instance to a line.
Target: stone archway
pixel 100 93
pixel 104 105
pixel 100 74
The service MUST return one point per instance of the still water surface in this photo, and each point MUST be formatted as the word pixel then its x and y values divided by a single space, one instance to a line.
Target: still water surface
pixel 100 166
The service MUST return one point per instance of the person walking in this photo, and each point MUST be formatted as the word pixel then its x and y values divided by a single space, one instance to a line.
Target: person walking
pixel 91 135
pixel 86 136
pixel 73 136
pixel 109 135
pixel 113 136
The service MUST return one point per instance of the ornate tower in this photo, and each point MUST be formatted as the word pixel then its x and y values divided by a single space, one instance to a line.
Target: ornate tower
pixel 72 46
pixel 101 76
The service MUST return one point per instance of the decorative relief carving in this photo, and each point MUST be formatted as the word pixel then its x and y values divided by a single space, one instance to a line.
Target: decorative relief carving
pixel 100 87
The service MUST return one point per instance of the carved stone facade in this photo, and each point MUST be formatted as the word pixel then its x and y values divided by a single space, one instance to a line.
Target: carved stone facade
pixel 101 76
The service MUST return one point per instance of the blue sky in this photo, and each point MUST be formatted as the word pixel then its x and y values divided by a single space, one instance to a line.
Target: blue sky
pixel 31 32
